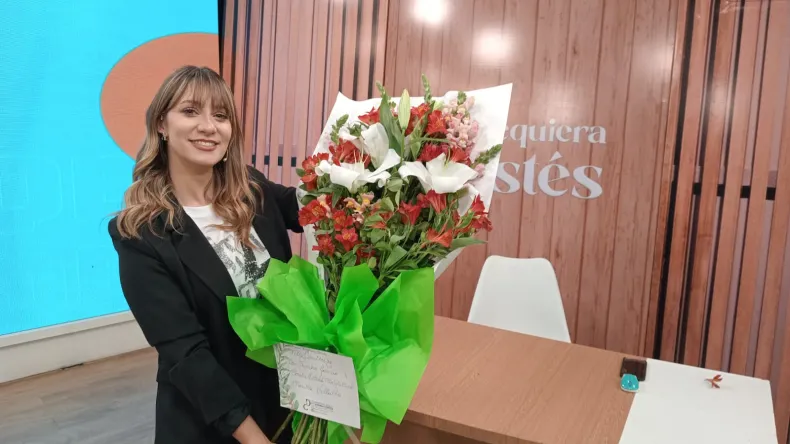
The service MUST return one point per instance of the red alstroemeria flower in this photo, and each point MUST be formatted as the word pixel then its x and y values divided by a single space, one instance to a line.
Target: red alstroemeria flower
pixel 312 213
pixel 371 117
pixel 456 223
pixel 436 124
pixel 459 155
pixel 341 220
pixel 415 115
pixel 482 222
pixel 310 178
pixel 348 238
pixel 477 207
pixel 325 245
pixel 433 199
pixel 363 254
pixel 409 212
pixel 480 219
pixel 445 238
pixel 347 152
pixel 310 181
pixel 431 151
pixel 382 224
pixel 311 162
pixel 421 110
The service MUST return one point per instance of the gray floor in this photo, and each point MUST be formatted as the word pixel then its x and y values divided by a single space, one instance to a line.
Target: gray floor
pixel 110 401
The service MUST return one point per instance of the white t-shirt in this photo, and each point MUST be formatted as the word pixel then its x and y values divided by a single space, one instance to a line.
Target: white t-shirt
pixel 246 266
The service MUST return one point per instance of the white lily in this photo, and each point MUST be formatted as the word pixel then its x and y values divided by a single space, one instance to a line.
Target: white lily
pixel 376 144
pixel 354 175
pixel 439 175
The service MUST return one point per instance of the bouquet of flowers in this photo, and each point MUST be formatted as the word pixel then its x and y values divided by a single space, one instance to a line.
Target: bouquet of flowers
pixel 394 190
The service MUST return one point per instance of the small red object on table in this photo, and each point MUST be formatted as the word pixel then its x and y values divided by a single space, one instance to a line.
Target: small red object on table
pixel 714 381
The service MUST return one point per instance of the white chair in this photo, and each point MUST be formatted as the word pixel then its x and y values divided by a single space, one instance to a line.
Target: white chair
pixel 520 295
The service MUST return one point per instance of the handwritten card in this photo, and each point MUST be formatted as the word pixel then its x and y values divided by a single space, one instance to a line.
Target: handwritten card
pixel 318 383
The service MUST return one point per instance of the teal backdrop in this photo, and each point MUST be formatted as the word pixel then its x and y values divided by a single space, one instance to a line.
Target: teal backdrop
pixel 61 174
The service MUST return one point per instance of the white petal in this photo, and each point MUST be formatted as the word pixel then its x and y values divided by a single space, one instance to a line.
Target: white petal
pixel 390 160
pixel 379 177
pixel 448 177
pixel 346 175
pixel 381 174
pixel 323 167
pixel 447 184
pixel 416 169
pixel 376 143
pixel 465 202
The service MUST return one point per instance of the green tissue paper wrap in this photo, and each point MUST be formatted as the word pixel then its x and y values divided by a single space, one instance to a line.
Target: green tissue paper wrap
pixel 389 341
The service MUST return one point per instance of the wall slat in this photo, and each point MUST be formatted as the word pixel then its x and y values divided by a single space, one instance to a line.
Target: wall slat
pixel 770 105
pixel 350 22
pixel 335 55
pixel 643 129
pixel 777 254
pixel 676 36
pixel 505 212
pixel 580 81
pixel 611 96
pixel 537 209
pixel 716 125
pixel 731 203
pixel 380 49
pixel 695 95
pixel 239 70
pixel 365 48
pixel 251 85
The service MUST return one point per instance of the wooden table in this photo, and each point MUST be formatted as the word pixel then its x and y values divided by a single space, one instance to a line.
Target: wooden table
pixel 494 386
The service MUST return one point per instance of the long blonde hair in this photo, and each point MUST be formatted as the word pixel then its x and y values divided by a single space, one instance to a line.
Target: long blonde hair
pixel 151 192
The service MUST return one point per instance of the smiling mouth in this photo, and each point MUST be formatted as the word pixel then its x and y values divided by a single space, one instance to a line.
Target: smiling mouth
pixel 205 145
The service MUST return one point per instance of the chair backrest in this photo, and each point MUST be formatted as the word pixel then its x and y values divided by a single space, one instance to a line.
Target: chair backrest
pixel 520 295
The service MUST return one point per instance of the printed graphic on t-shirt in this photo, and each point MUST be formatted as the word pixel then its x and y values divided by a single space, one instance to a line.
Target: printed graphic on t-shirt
pixel 242 263
pixel 245 265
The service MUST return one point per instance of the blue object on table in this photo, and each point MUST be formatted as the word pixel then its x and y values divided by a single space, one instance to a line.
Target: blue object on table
pixel 629 383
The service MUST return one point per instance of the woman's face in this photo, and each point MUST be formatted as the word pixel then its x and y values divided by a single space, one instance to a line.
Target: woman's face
pixel 197 134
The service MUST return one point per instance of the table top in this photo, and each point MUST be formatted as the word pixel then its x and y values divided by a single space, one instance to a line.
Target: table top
pixel 498 386
pixel 739 411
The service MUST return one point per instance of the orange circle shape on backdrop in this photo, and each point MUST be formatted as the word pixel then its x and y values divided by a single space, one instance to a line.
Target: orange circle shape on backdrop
pixel 134 80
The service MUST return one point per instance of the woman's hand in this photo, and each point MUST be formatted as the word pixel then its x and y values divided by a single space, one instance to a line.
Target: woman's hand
pixel 248 432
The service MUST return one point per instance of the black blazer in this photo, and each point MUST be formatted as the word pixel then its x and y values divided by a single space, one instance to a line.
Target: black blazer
pixel 175 286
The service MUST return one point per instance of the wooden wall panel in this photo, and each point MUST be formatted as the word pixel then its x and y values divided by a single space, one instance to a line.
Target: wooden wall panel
pixel 721 79
pixel 643 149
pixel 612 95
pixel 695 96
pixel 725 302
pixel 774 79
pixel 570 63
pixel 741 107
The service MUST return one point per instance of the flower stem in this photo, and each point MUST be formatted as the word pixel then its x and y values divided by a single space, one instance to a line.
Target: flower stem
pixel 300 429
pixel 285 424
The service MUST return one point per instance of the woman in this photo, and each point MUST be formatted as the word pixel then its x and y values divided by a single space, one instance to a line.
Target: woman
pixel 199 225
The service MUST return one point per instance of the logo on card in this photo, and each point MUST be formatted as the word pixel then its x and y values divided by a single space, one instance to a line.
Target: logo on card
pixel 319 408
